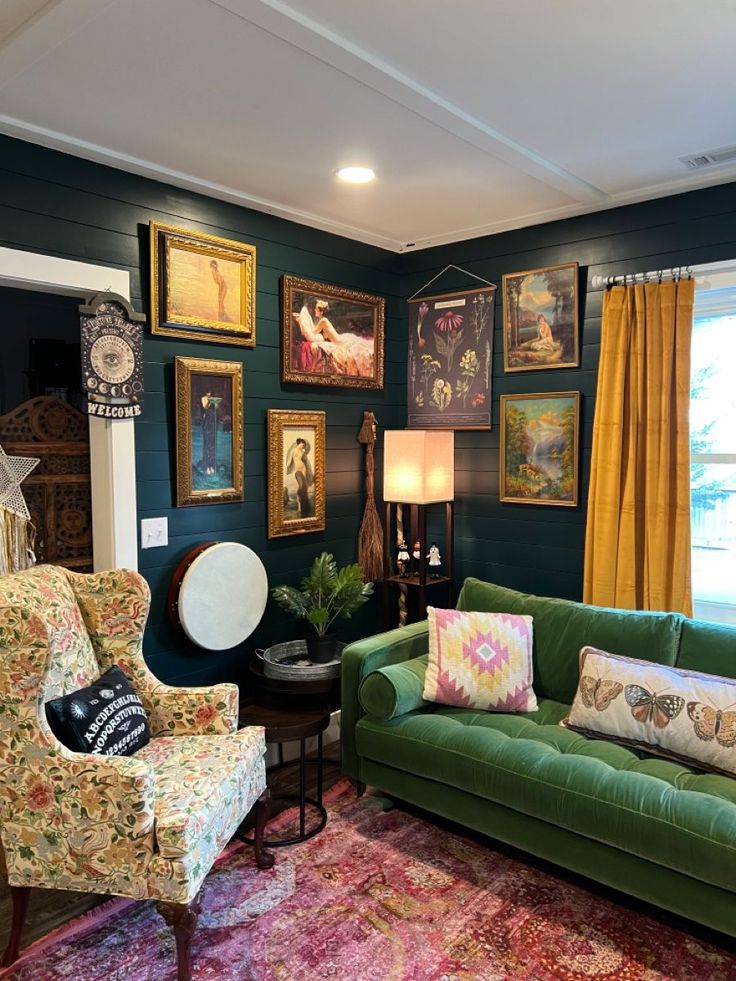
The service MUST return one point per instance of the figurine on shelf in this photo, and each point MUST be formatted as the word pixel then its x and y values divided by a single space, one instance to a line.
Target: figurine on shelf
pixel 435 560
pixel 417 555
pixel 402 558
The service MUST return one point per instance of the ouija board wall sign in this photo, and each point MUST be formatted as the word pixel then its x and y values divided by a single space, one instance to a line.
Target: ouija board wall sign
pixel 112 356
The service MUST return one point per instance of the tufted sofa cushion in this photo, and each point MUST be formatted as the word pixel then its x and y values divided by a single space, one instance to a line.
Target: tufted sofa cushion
pixel 662 811
pixel 562 627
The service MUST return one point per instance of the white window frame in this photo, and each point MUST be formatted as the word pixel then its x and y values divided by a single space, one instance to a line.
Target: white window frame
pixel 716 275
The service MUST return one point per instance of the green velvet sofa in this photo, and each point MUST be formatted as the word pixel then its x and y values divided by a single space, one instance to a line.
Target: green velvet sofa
pixel 650 827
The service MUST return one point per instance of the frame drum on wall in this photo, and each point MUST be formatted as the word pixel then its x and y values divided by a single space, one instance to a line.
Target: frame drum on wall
pixel 218 594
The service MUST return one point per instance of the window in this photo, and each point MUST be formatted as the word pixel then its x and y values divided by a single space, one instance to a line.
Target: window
pixel 713 447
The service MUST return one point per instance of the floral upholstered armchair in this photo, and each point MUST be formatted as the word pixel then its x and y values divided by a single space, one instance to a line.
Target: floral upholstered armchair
pixel 147 826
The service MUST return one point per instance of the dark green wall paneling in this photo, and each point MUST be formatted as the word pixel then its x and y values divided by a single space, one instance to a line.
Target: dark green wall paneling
pixel 60 205
pixel 537 548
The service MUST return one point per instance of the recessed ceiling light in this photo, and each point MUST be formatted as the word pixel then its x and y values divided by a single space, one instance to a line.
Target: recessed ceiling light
pixel 356 175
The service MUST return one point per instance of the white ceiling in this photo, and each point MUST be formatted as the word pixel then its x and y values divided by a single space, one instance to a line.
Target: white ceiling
pixel 477 115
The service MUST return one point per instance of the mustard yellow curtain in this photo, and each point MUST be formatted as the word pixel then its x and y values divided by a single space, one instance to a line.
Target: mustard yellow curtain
pixel 637 546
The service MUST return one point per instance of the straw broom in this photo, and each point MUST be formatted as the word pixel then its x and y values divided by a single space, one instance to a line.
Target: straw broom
pixel 370 535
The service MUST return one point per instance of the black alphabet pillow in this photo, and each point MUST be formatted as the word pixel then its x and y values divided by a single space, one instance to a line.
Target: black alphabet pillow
pixel 106 718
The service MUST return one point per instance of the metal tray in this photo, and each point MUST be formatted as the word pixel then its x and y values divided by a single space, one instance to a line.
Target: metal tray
pixel 290 662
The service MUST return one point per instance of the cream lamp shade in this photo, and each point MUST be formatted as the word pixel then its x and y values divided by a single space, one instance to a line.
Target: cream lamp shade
pixel 418 466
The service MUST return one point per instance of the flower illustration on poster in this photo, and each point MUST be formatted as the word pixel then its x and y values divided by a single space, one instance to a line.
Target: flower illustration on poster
pixel 449 359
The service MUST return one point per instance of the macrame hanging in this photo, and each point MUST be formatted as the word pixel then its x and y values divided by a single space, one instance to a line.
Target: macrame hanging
pixel 17 533
pixel 370 535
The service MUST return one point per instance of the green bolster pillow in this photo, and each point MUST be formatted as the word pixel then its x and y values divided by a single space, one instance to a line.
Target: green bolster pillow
pixel 394 690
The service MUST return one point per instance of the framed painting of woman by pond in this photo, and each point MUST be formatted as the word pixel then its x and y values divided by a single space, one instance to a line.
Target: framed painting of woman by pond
pixel 296 472
pixel 539 448
pixel 331 335
pixel 203 287
pixel 540 318
pixel 209 431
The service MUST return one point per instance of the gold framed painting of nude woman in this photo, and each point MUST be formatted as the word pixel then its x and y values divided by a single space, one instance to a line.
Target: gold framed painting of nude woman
pixel 203 288
pixel 296 472
pixel 540 318
pixel 209 431
pixel 331 335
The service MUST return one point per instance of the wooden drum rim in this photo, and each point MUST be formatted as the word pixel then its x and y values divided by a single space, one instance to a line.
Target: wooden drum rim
pixel 172 597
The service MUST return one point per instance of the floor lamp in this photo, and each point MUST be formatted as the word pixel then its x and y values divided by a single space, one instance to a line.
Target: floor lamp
pixel 418 472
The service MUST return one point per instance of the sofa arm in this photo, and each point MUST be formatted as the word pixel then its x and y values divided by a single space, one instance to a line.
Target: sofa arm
pixel 192 711
pixel 395 690
pixel 358 660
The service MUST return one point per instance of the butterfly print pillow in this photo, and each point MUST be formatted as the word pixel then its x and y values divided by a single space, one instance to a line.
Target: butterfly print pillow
pixel 686 715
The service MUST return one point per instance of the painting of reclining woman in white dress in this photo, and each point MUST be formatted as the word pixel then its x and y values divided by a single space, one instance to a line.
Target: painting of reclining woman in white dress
pixel 331 335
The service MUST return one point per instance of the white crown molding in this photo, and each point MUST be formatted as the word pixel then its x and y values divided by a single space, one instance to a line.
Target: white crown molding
pixel 60 19
pixel 319 41
pixel 146 168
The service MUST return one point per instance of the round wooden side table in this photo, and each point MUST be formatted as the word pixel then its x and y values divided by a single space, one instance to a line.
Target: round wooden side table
pixel 283 726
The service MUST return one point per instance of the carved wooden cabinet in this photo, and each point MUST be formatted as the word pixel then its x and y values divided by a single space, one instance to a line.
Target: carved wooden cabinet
pixel 58 490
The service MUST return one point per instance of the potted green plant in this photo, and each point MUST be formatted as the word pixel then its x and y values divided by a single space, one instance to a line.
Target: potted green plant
pixel 326 594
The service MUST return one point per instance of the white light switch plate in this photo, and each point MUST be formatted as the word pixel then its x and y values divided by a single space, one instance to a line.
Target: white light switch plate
pixel 154 532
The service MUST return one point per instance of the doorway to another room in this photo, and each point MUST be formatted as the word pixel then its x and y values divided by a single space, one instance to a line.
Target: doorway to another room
pixel 41 403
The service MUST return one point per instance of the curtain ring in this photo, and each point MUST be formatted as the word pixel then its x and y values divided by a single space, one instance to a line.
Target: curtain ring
pixel 689 272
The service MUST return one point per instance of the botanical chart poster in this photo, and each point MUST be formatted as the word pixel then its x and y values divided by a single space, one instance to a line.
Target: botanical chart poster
pixel 450 359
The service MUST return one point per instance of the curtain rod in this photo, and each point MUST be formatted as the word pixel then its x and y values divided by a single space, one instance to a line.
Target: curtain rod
pixel 677 272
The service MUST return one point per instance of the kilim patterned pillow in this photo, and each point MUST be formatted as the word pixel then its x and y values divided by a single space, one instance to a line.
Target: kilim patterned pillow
pixel 684 715
pixel 480 660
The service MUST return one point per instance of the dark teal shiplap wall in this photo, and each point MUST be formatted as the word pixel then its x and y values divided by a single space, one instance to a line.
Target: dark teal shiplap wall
pixel 57 204
pixel 532 547
pixel 60 205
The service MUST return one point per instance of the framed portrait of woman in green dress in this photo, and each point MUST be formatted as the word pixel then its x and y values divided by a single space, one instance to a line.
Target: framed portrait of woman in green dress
pixel 209 431
pixel 296 472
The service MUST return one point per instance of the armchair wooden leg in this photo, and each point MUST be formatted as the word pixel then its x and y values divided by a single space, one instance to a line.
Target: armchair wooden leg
pixel 20 896
pixel 264 859
pixel 183 918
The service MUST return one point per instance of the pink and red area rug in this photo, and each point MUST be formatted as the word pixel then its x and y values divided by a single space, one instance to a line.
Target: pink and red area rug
pixel 379 895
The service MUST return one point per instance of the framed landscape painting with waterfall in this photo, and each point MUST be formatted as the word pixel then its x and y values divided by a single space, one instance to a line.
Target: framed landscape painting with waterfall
pixel 450 360
pixel 209 431
pixel 540 318
pixel 539 448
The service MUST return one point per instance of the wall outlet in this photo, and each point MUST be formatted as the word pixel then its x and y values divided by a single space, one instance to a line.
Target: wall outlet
pixel 154 532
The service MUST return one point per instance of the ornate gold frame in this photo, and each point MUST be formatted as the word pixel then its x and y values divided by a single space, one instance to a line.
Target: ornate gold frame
pixel 503 496
pixel 575 363
pixel 290 284
pixel 163 238
pixel 184 369
pixel 277 421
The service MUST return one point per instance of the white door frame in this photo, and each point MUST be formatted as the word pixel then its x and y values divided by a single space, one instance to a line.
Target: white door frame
pixel 111 442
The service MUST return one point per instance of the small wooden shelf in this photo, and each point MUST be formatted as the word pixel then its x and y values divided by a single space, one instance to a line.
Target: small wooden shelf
pixel 415 580
pixel 419 583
